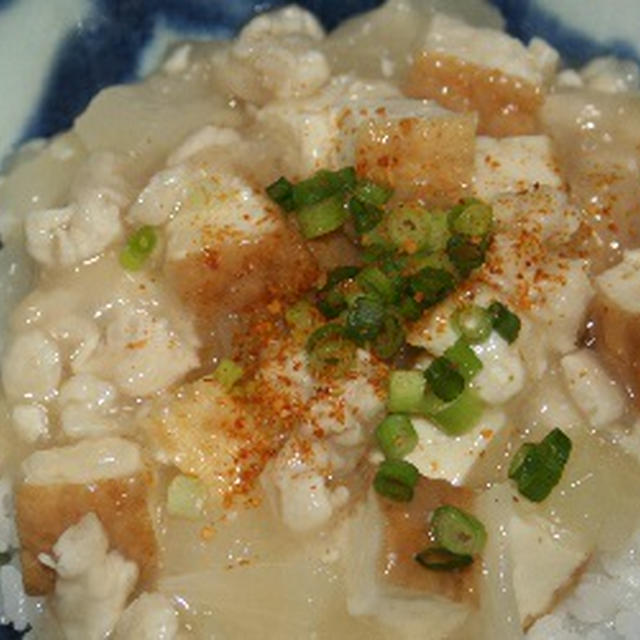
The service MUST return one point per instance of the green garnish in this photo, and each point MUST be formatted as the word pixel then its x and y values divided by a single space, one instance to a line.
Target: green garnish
pixel 138 248
pixel 505 322
pixel 537 468
pixel 437 559
pixel 281 192
pixel 319 218
pixel 473 218
pixel 372 192
pixel 466 254
pixel 429 286
pixel 406 391
pixel 365 318
pixel 373 280
pixel 444 379
pixel 458 531
pixel 365 215
pixel 461 415
pixel 228 372
pixel 390 339
pixel 396 436
pixel 322 185
pixel 329 346
pixel 5 557
pixel 396 480
pixel 473 323
pixel 462 356
pixel 414 229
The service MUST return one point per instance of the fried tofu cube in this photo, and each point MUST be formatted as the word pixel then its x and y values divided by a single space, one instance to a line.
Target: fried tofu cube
pixel 428 158
pixel 229 250
pixel 466 68
pixel 383 578
pixel 59 489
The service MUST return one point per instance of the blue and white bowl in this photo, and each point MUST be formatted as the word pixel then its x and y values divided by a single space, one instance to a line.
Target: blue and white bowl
pixel 55 55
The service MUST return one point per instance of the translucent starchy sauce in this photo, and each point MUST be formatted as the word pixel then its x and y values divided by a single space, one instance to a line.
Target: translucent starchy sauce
pixel 324 336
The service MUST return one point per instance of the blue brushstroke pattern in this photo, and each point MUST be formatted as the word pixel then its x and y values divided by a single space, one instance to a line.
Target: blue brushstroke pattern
pixel 106 50
pixel 525 20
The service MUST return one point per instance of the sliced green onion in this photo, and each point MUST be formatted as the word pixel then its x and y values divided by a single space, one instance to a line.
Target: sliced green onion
pixel 322 217
pixel 5 558
pixel 281 192
pixel 372 192
pixel 228 372
pixel 390 339
pixel 504 321
pixel 365 215
pixel 473 323
pixel 437 559
pixel 464 359
pixel 537 468
pixel 461 415
pixel 431 286
pixel 473 218
pixel 331 303
pixel 186 497
pixel 365 318
pixel 301 318
pixel 465 254
pixel 406 391
pixel 409 309
pixel 396 479
pixel 458 531
pixel 328 346
pixel 138 248
pixel 373 280
pixel 444 379
pixel 396 436
pixel 322 185
pixel 413 229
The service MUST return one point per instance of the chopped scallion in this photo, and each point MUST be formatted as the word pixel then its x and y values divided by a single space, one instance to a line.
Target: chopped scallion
pixel 461 415
pixel 281 192
pixel 406 391
pixel 473 218
pixel 504 321
pixel 390 339
pixel 473 323
pixel 396 436
pixel 414 229
pixel 373 280
pixel 537 468
pixel 328 346
pixel 365 215
pixel 438 559
pixel 372 192
pixel 322 185
pixel 365 318
pixel 466 254
pixel 458 531
pixel 228 372
pixel 429 286
pixel 444 379
pixel 139 247
pixel 322 217
pixel 464 359
pixel 396 480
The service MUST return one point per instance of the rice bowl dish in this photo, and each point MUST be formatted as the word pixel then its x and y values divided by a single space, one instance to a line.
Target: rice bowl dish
pixel 328 335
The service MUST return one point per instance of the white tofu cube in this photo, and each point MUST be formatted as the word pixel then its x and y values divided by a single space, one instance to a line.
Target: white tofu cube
pixel 543 564
pixel 513 164
pixel 444 457
pixel 592 389
pixel 621 284
pixel 490 48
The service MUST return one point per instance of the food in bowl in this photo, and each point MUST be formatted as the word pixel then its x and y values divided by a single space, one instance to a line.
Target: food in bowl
pixel 328 336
